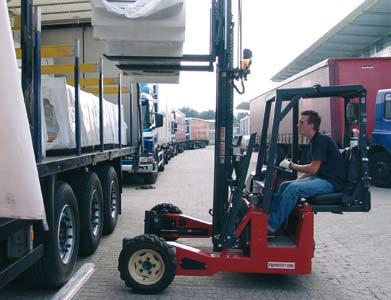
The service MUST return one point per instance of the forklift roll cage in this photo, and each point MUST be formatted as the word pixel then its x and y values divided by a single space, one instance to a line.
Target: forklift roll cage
pixel 292 97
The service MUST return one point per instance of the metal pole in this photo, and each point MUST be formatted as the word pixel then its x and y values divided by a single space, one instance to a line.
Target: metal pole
pixel 347 130
pixel 37 124
pixel 263 140
pixel 130 129
pixel 101 110
pixel 119 111
pixel 272 155
pixel 77 102
pixel 295 133
pixel 26 44
pixel 224 117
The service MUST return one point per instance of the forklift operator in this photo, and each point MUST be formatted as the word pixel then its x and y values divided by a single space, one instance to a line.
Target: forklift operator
pixel 324 174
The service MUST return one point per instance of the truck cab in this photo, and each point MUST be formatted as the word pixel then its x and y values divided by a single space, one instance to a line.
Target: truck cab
pixel 167 140
pixel 380 150
pixel 151 158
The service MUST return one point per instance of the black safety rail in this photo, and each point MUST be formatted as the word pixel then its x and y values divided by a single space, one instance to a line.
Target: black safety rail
pixel 356 197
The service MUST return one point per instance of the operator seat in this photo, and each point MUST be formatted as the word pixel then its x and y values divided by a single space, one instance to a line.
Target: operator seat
pixel 353 183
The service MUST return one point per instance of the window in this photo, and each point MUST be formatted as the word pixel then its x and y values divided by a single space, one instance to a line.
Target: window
pixel 145 113
pixel 387 107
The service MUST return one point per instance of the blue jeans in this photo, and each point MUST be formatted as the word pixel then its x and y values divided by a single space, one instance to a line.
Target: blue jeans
pixel 284 201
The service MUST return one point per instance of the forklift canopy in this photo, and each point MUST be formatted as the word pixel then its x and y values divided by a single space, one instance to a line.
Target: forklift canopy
pixel 356 195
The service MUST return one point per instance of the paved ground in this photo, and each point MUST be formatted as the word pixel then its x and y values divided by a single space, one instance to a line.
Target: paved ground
pixel 352 259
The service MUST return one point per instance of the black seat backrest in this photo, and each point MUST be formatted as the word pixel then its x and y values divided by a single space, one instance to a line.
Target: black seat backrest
pixel 353 168
pixel 355 197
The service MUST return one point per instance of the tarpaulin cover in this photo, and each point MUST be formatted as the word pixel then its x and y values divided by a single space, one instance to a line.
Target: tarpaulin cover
pixel 20 191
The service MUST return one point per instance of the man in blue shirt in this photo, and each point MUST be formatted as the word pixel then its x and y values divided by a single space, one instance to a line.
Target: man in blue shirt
pixel 324 174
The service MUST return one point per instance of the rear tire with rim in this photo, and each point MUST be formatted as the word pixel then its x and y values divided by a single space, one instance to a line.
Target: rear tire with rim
pixel 111 197
pixel 90 197
pixel 147 264
pixel 56 266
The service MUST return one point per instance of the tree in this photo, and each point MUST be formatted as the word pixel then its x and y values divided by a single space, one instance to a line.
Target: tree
pixel 192 113
pixel 189 112
pixel 208 115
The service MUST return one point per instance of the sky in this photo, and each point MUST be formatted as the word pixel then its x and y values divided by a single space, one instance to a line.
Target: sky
pixel 276 31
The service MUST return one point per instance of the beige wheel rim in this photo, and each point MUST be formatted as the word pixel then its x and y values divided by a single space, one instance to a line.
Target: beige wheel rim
pixel 146 267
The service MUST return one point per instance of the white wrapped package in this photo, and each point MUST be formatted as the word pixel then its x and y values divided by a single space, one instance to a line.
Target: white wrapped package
pixel 59 106
pixel 20 191
pixel 138 8
pixel 153 77
pixel 154 48
pixel 117 27
pixel 142 28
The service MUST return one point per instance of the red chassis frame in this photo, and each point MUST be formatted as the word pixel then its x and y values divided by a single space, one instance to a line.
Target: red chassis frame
pixel 262 257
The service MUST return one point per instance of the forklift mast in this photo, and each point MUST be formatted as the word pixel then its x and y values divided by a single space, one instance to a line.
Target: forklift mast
pixel 220 56
pixel 224 114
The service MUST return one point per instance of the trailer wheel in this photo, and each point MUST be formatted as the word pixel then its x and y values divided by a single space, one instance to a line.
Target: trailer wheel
pixel 147 264
pixel 150 178
pixel 380 169
pixel 166 208
pixel 111 197
pixel 56 266
pixel 90 198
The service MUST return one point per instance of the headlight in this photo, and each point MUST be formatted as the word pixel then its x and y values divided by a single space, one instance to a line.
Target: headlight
pixel 143 159
pixel 150 159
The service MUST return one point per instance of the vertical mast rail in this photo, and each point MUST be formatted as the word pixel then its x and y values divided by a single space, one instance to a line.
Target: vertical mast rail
pixel 37 123
pixel 77 94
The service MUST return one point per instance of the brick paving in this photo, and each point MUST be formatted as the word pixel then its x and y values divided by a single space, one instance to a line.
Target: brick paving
pixel 351 258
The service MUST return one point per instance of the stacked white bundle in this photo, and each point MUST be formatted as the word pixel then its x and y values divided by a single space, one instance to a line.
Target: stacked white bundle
pixel 59 111
pixel 142 28
pixel 20 191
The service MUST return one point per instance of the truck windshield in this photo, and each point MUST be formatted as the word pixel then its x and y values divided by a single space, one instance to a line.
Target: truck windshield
pixel 146 114
pixel 387 107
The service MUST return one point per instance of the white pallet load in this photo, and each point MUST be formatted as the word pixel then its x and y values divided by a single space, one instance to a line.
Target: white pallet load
pixel 20 191
pixel 58 101
pixel 142 28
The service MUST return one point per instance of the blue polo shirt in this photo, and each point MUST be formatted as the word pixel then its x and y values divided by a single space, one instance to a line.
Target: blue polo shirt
pixel 332 168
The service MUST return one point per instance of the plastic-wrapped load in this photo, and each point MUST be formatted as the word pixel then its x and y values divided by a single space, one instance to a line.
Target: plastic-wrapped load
pixel 58 101
pixel 142 28
pixel 20 191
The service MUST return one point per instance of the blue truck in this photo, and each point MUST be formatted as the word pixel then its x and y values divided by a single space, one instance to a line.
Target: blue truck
pixel 380 149
pixel 151 160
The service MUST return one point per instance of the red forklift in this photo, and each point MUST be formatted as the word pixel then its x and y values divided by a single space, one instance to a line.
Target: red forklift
pixel 240 243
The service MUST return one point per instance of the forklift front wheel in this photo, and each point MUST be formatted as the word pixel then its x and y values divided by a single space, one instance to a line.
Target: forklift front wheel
pixel 166 208
pixel 147 264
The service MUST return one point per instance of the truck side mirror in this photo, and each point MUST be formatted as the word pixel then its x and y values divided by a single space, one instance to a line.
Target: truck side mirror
pixel 158 120
pixel 352 112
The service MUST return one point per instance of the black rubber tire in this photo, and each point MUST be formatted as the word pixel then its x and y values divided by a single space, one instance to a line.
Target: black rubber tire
pixel 166 157
pixel 380 169
pixel 51 271
pixel 111 197
pixel 161 167
pixel 88 184
pixel 150 178
pixel 166 208
pixel 147 242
